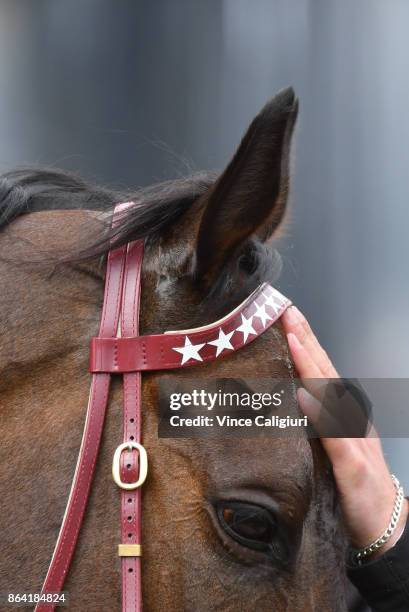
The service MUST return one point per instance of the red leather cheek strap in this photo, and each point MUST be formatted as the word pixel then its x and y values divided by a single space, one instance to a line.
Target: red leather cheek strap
pixel 87 457
pixel 131 501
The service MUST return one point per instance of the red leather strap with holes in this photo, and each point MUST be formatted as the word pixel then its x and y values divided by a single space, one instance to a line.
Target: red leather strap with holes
pixel 131 502
pixel 94 423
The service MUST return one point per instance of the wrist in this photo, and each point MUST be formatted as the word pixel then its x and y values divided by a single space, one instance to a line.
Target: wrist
pixel 388 538
pixel 397 533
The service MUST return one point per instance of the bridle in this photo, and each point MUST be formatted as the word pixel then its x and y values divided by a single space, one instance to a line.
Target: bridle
pixel 119 349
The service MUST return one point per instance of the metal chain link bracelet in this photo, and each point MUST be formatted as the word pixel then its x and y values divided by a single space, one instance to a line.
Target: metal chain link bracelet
pixel 359 555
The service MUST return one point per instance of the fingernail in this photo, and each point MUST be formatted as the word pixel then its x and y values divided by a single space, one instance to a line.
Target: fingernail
pixel 293 341
pixel 302 395
pixel 298 314
pixel 294 314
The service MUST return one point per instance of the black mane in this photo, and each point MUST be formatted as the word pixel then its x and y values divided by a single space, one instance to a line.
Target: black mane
pixel 30 190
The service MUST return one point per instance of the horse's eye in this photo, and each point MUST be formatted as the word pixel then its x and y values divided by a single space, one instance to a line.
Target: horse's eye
pixel 248 262
pixel 250 525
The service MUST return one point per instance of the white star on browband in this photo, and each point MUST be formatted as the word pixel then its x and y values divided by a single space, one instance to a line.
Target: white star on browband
pixel 274 302
pixel 222 342
pixel 246 328
pixel 190 351
pixel 262 314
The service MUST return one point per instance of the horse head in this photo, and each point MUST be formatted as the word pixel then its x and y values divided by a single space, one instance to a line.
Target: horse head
pixel 228 524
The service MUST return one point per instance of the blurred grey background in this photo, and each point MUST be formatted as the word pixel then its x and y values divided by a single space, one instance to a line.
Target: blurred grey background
pixel 129 92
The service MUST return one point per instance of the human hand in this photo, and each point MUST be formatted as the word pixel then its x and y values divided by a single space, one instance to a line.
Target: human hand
pixel 367 493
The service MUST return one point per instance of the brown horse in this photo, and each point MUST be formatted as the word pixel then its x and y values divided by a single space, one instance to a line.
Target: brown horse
pixel 233 525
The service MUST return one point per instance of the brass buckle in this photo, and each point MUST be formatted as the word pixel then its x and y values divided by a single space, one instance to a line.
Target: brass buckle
pixel 143 465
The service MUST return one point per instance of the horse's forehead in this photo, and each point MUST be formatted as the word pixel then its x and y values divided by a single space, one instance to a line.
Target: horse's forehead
pixel 275 464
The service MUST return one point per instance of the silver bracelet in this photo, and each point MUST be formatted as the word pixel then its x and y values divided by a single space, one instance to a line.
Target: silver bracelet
pixel 360 555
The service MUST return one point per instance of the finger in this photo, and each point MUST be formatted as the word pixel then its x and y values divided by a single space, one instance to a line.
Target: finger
pixel 323 422
pixel 295 322
pixel 337 449
pixel 310 406
pixel 304 362
pixel 330 417
pixel 307 369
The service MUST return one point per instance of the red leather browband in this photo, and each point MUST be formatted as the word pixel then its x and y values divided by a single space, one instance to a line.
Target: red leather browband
pixel 194 346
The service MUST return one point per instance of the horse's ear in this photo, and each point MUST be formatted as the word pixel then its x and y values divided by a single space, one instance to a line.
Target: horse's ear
pixel 250 196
